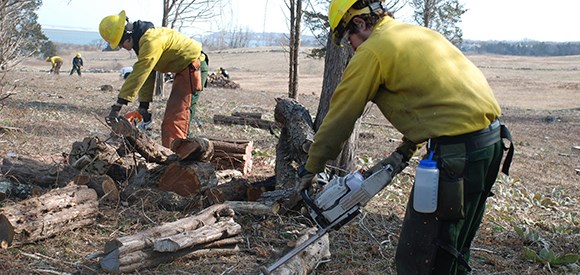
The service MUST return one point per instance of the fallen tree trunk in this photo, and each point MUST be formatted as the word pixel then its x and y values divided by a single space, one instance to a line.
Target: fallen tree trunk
pixel 31 171
pixel 296 135
pixel 178 239
pixel 41 217
pixel 249 121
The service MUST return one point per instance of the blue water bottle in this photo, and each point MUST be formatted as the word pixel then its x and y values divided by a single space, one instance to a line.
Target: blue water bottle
pixel 426 186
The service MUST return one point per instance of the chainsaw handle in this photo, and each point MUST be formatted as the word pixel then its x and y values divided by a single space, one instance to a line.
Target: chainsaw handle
pixel 314 207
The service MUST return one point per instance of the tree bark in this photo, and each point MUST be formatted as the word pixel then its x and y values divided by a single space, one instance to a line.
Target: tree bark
pixel 42 217
pixel 295 138
pixel 335 62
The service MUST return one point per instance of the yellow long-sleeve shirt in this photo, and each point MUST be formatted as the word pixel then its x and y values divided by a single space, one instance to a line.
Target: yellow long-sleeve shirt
pixel 163 50
pixel 53 60
pixel 421 83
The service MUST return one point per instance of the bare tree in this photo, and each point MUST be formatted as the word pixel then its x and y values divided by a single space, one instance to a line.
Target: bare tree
pixel 440 15
pixel 20 34
pixel 183 13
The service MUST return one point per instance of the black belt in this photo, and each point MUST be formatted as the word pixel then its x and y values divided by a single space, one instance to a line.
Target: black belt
pixel 474 140
pixel 482 138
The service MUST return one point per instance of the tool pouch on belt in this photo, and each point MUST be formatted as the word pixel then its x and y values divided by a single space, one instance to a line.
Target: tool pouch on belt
pixel 451 159
pixel 195 76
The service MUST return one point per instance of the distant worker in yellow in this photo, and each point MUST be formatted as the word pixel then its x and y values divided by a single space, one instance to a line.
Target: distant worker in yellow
pixel 158 50
pixel 56 62
pixel 77 64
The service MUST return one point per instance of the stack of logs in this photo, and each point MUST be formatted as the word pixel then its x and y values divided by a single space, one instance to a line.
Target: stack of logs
pixel 219 81
pixel 211 232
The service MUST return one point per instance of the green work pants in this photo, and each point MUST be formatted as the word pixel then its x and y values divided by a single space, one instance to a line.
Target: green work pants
pixel 428 242
pixel 195 96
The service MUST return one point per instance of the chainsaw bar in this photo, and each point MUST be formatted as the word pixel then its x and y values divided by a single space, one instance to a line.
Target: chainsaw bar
pixel 347 216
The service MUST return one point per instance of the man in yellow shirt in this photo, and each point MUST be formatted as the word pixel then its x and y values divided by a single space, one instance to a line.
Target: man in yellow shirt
pixel 56 62
pixel 158 50
pixel 429 91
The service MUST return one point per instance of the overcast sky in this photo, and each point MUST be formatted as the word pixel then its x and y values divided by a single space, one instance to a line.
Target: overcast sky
pixel 541 20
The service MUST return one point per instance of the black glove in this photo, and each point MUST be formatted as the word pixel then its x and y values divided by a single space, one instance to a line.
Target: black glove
pixel 307 179
pixel 395 160
pixel 113 117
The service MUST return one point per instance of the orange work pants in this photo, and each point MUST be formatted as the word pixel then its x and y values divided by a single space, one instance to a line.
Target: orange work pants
pixel 175 123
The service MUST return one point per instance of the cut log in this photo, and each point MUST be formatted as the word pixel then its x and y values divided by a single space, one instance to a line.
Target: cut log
pixel 249 121
pixel 92 156
pixel 251 207
pixel 296 135
pixel 305 262
pixel 33 172
pixel 199 149
pixel 142 143
pixel 250 115
pixel 187 179
pixel 207 234
pixel 233 154
pixel 57 211
pixel 104 185
pixel 137 251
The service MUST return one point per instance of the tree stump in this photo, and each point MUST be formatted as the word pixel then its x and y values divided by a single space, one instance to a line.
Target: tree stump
pixel 42 217
pixel 209 233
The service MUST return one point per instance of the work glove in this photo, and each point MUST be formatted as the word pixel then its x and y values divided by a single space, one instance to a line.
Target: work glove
pixel 396 160
pixel 307 179
pixel 113 117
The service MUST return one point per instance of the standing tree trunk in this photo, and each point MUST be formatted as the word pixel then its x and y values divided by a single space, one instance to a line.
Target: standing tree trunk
pixel 334 64
pixel 295 19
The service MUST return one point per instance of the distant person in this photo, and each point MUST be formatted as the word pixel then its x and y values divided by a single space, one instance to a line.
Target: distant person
pixel 434 95
pixel 162 50
pixel 56 62
pixel 77 64
pixel 224 73
pixel 125 72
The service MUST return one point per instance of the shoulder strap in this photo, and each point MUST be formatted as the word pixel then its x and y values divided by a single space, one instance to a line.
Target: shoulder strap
pixel 505 133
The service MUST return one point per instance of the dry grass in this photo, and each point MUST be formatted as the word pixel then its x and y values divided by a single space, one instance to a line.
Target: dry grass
pixel 541 104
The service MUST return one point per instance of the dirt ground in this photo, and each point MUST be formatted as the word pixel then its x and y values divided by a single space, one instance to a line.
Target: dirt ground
pixel 536 209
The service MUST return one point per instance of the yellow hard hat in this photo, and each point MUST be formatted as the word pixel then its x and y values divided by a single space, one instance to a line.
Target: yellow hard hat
pixel 112 28
pixel 340 12
pixel 336 11
pixel 78 54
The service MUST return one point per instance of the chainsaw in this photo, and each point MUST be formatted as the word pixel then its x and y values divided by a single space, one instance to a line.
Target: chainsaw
pixel 339 202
